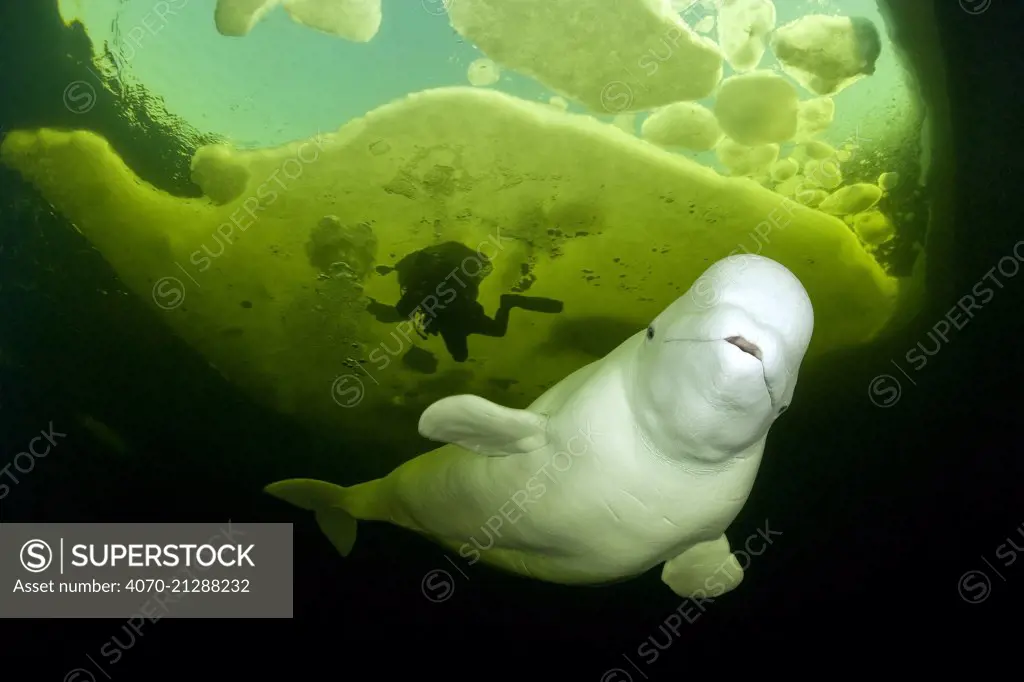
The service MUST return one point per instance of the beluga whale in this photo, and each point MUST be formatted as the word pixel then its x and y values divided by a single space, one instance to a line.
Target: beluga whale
pixel 639 459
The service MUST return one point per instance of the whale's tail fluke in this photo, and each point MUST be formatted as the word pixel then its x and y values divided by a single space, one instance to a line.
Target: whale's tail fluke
pixel 330 503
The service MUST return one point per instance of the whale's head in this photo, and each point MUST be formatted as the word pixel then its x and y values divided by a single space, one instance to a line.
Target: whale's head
pixel 716 368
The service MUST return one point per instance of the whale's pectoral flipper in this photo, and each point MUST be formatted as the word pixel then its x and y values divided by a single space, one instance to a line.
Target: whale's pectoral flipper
pixel 708 569
pixel 479 425
pixel 328 501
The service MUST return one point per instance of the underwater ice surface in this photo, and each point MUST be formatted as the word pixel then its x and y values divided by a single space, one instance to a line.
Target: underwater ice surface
pixel 570 205
pixel 284 82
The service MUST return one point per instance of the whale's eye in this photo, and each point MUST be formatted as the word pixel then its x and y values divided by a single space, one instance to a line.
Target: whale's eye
pixel 650 332
pixel 783 409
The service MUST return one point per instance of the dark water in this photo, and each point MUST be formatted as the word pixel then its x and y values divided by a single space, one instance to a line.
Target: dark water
pixel 881 511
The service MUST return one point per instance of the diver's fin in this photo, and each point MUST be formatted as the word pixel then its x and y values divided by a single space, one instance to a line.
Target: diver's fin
pixel 325 499
pixel 537 304
pixel 479 425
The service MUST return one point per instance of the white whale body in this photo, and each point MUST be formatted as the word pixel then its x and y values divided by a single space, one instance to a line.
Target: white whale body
pixel 641 458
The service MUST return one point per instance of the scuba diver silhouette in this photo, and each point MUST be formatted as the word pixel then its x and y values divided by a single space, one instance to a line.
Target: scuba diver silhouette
pixel 439 296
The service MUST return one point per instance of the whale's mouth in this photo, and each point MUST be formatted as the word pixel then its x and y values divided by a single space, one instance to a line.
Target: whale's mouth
pixel 751 348
pixel 746 346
